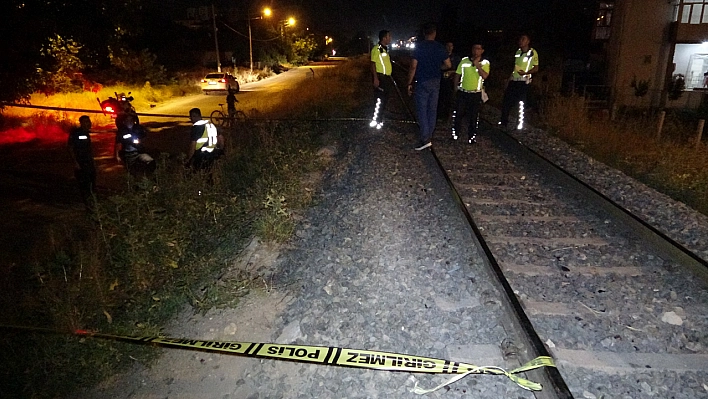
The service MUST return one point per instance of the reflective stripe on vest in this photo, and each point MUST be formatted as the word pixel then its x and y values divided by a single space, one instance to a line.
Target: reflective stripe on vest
pixel 383 64
pixel 470 71
pixel 207 143
pixel 525 64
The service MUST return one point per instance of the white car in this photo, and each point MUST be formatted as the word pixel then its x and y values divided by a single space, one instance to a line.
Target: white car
pixel 219 81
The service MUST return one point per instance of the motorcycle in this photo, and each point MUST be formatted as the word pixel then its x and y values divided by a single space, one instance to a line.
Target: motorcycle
pixel 119 106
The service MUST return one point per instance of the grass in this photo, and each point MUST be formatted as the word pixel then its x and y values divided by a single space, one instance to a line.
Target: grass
pixel 143 254
pixel 671 164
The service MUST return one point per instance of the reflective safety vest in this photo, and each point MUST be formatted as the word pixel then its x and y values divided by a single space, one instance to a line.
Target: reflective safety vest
pixel 524 61
pixel 379 56
pixel 470 79
pixel 207 143
pixel 130 139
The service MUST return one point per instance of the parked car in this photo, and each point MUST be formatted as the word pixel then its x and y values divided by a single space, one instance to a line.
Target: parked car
pixel 219 81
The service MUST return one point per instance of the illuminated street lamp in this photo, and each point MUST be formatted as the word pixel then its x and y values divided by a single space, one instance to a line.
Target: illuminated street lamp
pixel 286 23
pixel 267 13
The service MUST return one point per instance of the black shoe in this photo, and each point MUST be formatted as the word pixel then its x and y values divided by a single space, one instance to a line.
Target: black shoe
pixel 423 145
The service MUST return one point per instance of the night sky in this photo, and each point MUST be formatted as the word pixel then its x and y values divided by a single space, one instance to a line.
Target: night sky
pixel 557 22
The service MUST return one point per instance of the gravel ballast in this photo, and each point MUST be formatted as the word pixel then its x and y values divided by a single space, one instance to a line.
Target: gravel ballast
pixel 385 261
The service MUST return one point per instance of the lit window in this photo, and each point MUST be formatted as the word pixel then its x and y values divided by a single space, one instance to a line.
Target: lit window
pixel 694 12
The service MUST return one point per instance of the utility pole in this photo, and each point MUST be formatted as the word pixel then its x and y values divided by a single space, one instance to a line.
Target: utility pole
pixel 250 42
pixel 216 40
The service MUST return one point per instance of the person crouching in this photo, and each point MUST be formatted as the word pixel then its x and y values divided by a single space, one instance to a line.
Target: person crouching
pixel 207 144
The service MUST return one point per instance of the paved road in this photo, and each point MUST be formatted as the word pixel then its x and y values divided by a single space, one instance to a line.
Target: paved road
pixel 250 92
pixel 37 186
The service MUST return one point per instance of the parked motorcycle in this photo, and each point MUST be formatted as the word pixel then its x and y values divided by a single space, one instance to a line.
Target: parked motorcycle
pixel 119 106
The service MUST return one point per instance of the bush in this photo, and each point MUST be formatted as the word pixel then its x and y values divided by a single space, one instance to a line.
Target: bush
pixel 61 73
pixel 672 165
pixel 136 67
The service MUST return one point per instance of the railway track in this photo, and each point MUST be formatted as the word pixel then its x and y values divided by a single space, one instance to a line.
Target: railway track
pixel 622 308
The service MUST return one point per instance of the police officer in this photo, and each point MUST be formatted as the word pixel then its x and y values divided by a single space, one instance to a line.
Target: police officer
pixel 447 84
pixel 525 65
pixel 469 84
pixel 130 136
pixel 207 144
pixel 81 152
pixel 381 72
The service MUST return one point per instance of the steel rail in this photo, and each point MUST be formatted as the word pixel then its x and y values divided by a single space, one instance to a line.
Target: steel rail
pixel 674 250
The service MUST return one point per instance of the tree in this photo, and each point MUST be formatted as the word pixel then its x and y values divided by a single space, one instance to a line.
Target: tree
pixel 302 48
pixel 62 66
pixel 136 67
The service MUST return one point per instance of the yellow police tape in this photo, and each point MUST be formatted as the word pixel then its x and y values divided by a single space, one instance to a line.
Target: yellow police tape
pixel 336 356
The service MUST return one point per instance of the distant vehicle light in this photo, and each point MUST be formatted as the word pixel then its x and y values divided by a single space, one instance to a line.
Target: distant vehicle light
pixel 219 81
pixel 109 109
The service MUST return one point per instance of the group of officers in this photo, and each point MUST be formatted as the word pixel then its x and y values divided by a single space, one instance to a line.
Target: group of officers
pixel 459 83
pixel 206 146
pixel 458 79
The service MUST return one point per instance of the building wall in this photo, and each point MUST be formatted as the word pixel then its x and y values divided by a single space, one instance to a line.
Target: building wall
pixel 639 47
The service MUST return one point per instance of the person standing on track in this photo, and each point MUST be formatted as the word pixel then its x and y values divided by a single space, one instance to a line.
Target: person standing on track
pixel 429 59
pixel 383 82
pixel 447 89
pixel 525 65
pixel 469 84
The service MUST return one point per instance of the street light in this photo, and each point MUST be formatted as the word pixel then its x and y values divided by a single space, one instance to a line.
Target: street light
pixel 286 23
pixel 266 12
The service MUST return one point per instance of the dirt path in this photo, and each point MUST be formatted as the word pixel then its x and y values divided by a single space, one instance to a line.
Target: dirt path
pixel 192 374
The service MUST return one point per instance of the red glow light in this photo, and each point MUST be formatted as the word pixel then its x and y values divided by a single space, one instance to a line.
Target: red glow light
pixel 109 109
pixel 46 133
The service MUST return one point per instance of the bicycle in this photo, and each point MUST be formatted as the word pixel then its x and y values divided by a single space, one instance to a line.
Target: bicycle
pixel 223 119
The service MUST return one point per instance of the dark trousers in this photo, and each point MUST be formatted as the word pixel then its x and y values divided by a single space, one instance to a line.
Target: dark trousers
pixel 205 160
pixel 382 94
pixel 466 115
pixel 515 92
pixel 446 98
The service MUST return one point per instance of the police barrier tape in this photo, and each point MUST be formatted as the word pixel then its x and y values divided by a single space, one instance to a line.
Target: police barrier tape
pixel 335 356
pixel 92 111
pixel 85 111
pixel 329 355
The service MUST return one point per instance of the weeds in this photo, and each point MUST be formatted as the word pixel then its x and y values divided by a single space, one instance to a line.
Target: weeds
pixel 148 251
pixel 671 165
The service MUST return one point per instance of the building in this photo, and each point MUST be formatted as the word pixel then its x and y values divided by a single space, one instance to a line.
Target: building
pixel 649 45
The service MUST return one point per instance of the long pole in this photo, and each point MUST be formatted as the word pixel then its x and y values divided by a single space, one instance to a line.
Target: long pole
pixel 250 43
pixel 216 40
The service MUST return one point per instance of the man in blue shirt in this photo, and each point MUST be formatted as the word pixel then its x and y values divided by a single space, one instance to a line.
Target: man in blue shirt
pixel 429 59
